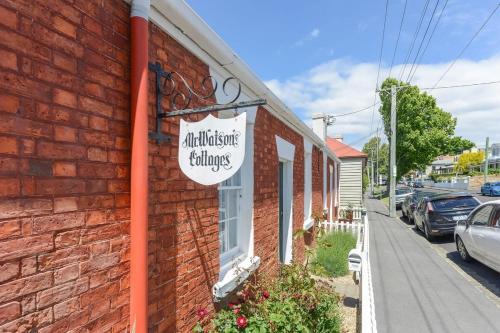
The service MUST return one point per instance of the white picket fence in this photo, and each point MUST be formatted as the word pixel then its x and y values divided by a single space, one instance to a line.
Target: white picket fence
pixel 357 213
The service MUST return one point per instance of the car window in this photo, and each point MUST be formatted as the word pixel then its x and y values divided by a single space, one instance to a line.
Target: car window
pixel 452 203
pixel 482 216
pixel 403 191
pixel 495 221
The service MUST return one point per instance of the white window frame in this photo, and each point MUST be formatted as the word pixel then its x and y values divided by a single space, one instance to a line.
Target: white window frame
pixel 239 263
pixel 286 153
pixel 308 219
pixel 235 190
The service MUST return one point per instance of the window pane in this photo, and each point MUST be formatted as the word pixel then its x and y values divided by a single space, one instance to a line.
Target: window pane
pixel 233 233
pixel 232 204
pixel 222 237
pixel 482 216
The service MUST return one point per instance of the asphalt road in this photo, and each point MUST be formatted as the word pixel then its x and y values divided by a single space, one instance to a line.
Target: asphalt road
pixel 424 287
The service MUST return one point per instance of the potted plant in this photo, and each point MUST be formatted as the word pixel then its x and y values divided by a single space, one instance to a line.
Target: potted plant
pixel 349 212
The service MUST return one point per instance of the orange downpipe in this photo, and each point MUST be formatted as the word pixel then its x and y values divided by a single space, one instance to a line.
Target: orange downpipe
pixel 139 176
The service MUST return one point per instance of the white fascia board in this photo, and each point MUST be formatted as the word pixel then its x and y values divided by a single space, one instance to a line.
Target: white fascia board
pixel 178 19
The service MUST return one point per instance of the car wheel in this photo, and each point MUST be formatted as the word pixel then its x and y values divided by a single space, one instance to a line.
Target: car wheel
pixel 462 250
pixel 403 212
pixel 427 234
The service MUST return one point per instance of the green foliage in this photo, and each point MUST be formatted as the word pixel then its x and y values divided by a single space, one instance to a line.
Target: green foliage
pixel 290 303
pixel 365 181
pixel 331 253
pixel 383 154
pixel 469 159
pixel 424 130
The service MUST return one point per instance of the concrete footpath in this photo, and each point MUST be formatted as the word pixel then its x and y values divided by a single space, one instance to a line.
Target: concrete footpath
pixel 415 289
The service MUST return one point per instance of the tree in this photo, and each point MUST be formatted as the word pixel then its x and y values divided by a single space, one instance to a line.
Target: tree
pixel 469 159
pixel 383 153
pixel 424 130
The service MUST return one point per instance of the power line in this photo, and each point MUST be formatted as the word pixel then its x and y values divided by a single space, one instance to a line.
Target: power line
pixel 379 63
pixel 468 44
pixel 422 41
pixel 429 40
pixel 399 34
pixel 462 85
pixel 357 111
pixel 415 35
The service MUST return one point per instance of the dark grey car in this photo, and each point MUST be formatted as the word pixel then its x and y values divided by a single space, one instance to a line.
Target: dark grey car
pixel 409 205
pixel 438 215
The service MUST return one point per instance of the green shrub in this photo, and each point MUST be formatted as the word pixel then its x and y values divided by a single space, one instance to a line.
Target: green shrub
pixel 331 253
pixel 290 303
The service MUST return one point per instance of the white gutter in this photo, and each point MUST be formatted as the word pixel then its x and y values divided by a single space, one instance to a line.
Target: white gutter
pixel 181 15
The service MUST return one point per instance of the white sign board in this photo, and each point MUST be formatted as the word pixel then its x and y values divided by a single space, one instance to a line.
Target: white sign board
pixel 213 149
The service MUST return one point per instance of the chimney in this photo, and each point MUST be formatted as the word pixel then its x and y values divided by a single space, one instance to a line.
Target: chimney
pixel 338 137
pixel 319 125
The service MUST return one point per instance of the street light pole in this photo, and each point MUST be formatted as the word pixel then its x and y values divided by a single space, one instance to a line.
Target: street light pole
pixel 392 164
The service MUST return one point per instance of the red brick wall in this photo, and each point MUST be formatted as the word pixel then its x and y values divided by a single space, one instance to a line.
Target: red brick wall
pixel 64 166
pixel 183 215
pixel 317 181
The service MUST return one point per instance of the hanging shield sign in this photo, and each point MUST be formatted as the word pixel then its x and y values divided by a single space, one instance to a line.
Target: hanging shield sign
pixel 213 149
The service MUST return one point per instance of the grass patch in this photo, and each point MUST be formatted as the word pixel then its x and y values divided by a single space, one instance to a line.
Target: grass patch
pixel 331 254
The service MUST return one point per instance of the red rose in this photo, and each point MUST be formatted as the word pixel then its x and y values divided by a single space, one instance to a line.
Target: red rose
pixel 265 294
pixel 241 322
pixel 202 313
pixel 236 310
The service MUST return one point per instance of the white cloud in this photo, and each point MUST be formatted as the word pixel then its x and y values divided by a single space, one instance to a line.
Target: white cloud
pixel 312 35
pixel 340 86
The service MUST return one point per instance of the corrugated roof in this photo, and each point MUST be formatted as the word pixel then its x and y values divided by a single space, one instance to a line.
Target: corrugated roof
pixel 342 150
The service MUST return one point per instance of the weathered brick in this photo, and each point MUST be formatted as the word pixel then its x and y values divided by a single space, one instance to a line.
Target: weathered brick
pixel 60 186
pixel 10 228
pixel 9 103
pixel 25 286
pixel 8 145
pixel 28 266
pixel 96 217
pixel 98 123
pixel 39 168
pixel 9 59
pixel 96 201
pixel 62 257
pixel 61 292
pixel 26 246
pixel 96 185
pixel 9 187
pixel 64 169
pixel 13 124
pixel 66 274
pixel 8 166
pixel 98 294
pixel 118 186
pixel 64 97
pixel 67 204
pixel 57 41
pixel 95 106
pixel 60 150
pixel 29 323
pixel 24 45
pixel 95 170
pixel 8 270
pixel 67 238
pixel 68 324
pixel 8 18
pixel 66 308
pixel 64 62
pixel 24 207
pixel 64 26
pixel 9 311
pixel 55 222
pixel 63 133
pixel 97 154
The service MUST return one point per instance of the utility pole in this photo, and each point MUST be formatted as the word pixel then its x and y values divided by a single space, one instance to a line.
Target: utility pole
pixel 486 159
pixel 378 144
pixel 373 176
pixel 392 164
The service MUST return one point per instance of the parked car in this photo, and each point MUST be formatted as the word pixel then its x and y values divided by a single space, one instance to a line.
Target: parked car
pixel 478 237
pixel 492 189
pixel 401 194
pixel 409 205
pixel 418 183
pixel 438 214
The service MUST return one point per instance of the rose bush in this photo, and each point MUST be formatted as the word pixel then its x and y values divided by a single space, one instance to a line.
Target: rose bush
pixel 291 302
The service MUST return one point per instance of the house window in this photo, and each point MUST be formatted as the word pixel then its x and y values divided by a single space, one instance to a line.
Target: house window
pixel 229 216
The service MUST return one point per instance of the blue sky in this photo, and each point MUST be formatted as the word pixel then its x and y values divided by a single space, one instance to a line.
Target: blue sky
pixel 323 55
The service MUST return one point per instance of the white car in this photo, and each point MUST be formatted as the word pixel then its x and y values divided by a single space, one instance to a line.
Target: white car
pixel 478 237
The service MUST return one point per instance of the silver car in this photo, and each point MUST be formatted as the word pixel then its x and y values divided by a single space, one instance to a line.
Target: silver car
pixel 478 237
pixel 401 194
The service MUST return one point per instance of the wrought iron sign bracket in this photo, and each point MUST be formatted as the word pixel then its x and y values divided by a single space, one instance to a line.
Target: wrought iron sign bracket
pixel 175 87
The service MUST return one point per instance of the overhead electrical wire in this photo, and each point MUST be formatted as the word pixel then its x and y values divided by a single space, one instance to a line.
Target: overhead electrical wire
pixel 399 34
pixel 415 35
pixel 429 40
pixel 451 86
pixel 357 111
pixel 422 40
pixel 379 63
pixel 468 44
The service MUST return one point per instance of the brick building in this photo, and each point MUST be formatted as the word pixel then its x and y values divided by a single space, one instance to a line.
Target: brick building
pixel 67 110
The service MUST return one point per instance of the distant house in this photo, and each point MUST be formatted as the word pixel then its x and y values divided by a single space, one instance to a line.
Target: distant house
pixel 442 165
pixel 351 171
